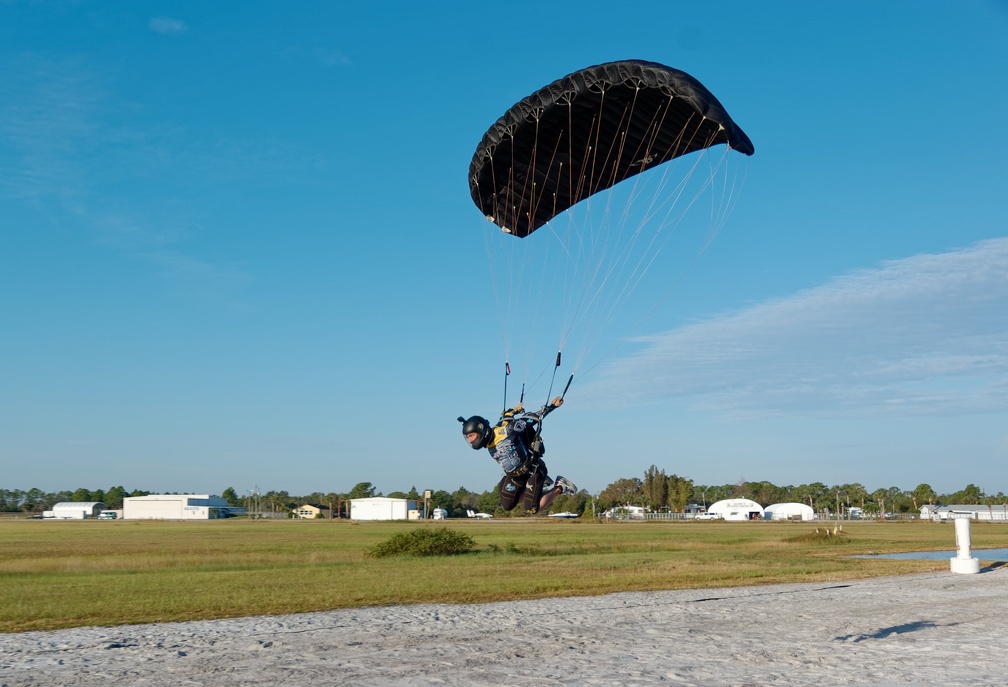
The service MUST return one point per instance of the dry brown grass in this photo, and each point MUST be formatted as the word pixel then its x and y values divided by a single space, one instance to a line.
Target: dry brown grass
pixel 67 574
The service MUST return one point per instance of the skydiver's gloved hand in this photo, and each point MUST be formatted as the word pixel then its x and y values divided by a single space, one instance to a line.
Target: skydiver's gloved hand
pixel 556 402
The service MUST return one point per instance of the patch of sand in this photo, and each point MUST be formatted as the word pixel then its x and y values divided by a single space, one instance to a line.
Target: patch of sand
pixel 931 629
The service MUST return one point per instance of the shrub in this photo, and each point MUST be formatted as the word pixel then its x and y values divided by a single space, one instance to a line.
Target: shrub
pixel 425 542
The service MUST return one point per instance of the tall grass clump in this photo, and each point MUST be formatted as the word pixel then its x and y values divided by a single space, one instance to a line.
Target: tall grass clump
pixel 424 542
pixel 820 538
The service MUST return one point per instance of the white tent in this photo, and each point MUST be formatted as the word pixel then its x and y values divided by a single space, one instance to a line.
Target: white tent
pixel 75 510
pixel 789 511
pixel 737 509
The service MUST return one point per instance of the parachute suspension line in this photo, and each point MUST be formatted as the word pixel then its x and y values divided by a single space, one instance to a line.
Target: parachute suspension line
pixel 503 292
pixel 598 278
pixel 595 244
pixel 498 289
pixel 734 186
pixel 629 118
pixel 661 233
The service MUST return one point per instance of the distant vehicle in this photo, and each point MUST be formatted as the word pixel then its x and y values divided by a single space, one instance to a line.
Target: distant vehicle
pixel 566 514
pixel 482 516
pixel 107 515
pixel 440 514
pixel 708 516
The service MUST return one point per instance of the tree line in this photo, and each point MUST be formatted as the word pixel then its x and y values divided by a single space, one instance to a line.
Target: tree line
pixel 655 491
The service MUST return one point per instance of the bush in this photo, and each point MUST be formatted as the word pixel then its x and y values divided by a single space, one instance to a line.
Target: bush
pixel 425 542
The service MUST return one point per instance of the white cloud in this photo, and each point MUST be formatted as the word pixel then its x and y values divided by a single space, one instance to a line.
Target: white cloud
pixel 167 26
pixel 921 335
pixel 330 57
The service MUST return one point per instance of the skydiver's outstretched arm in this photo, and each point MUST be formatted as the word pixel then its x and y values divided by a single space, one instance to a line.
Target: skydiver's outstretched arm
pixel 548 408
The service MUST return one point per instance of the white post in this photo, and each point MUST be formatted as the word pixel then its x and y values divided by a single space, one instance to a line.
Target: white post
pixel 964 563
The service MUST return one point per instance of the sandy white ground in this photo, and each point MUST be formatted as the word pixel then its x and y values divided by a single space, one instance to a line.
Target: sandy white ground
pixel 932 629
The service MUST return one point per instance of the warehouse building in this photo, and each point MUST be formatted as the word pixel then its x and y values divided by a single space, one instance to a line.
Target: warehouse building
pixel 972 511
pixel 383 508
pixel 178 507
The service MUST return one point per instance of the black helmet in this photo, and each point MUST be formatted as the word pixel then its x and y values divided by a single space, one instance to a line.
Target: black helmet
pixel 481 427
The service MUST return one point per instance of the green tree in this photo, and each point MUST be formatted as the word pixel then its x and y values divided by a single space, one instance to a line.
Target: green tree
pixel 817 495
pixel 114 497
pixel 622 492
pixel 852 495
pixel 766 493
pixel 332 500
pixel 35 500
pixel 970 495
pixel 32 501
pixel 231 496
pixel 82 495
pixel 680 491
pixel 362 490
pixel 898 500
pixel 656 488
pixel 922 495
pixel 442 499
pixel 489 502
pixel 463 500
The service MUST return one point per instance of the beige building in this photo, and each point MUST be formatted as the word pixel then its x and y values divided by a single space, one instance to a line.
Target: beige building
pixel 311 510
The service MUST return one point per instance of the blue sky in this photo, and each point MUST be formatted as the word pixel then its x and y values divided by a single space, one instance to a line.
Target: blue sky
pixel 237 246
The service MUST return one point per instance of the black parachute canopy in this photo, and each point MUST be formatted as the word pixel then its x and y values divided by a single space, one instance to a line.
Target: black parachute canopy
pixel 587 132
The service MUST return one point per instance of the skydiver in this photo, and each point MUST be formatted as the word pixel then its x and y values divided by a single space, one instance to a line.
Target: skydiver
pixel 515 445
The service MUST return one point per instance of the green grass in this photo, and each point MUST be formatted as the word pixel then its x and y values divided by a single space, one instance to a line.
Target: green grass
pixel 70 574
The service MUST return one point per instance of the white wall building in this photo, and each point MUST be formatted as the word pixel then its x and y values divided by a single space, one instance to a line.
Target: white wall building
pixel 736 509
pixel 74 510
pixel 973 511
pixel 383 508
pixel 789 511
pixel 177 507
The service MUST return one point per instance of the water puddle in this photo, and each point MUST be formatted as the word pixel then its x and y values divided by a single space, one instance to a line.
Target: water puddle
pixel 998 555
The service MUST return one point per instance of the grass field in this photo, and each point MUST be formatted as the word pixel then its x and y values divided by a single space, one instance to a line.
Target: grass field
pixel 76 573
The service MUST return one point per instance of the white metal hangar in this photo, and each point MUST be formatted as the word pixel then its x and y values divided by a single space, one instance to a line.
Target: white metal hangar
pixel 737 509
pixel 177 507
pixel 789 511
pixel 383 508
pixel 74 510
